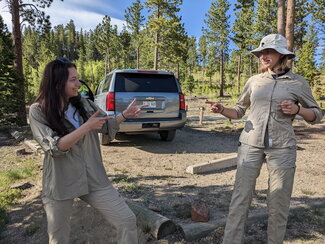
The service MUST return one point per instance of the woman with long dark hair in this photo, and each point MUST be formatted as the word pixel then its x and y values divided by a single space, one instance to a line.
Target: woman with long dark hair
pixel 274 97
pixel 66 126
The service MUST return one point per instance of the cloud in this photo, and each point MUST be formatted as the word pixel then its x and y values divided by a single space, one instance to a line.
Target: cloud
pixel 81 18
pixel 85 14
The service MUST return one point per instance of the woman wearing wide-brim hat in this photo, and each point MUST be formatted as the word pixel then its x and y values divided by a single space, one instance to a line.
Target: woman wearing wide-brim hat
pixel 274 97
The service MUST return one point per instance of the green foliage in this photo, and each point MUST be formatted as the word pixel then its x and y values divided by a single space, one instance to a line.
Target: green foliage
pixel 217 33
pixel 167 34
pixel 265 19
pixel 9 98
pixel 31 230
pixel 306 63
pixel 189 84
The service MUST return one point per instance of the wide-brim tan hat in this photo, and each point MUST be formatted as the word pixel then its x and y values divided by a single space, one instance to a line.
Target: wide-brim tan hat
pixel 276 42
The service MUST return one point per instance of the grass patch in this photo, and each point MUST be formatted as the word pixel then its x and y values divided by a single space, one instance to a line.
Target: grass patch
pixel 182 210
pixel 31 230
pixel 121 179
pixel 131 187
pixel 307 192
pixel 14 169
pixel 146 228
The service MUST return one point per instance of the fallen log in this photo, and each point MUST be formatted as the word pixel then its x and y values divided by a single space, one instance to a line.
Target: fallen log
pixel 34 146
pixel 159 226
pixel 195 231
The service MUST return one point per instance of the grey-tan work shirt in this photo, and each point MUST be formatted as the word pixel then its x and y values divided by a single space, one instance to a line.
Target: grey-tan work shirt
pixel 77 171
pixel 262 93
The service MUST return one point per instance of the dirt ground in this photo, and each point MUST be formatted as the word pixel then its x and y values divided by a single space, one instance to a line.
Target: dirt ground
pixel 153 173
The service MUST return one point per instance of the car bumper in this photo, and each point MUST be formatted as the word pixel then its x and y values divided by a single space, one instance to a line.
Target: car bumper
pixel 153 125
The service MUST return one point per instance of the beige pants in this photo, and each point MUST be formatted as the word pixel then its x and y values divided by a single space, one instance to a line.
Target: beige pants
pixel 281 168
pixel 107 201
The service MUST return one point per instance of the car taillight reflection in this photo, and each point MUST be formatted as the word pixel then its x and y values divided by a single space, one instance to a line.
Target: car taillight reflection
pixel 181 101
pixel 110 101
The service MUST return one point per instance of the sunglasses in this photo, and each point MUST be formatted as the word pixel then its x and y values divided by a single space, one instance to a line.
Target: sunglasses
pixel 62 60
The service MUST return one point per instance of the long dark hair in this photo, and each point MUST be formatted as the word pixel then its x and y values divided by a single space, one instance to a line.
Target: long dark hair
pixel 52 97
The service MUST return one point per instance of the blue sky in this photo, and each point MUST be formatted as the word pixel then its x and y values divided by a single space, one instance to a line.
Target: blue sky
pixel 87 14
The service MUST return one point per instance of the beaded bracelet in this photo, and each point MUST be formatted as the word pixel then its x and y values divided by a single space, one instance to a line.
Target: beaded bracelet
pixel 223 108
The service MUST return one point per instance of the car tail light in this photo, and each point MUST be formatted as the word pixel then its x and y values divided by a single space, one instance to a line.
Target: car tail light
pixel 110 101
pixel 181 101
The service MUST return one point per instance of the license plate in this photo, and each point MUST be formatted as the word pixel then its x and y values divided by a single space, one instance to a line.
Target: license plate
pixel 150 104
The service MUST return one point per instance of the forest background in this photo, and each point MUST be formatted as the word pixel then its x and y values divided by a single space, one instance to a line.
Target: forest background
pixel 154 37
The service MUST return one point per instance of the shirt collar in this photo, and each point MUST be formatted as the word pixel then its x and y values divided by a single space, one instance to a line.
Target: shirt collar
pixel 289 74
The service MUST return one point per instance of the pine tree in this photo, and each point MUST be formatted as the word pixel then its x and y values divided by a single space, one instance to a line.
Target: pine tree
pixel 265 20
pixel 161 21
pixel 243 33
pixel 306 65
pixel 24 11
pixel 217 33
pixel 107 42
pixel 203 53
pixel 125 40
pixel 134 21
pixel 9 87
pixel 71 34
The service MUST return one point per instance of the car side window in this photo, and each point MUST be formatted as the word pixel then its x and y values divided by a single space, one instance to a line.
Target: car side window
pixel 106 83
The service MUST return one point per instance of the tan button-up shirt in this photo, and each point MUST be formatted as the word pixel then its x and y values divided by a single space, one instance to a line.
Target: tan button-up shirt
pixel 79 170
pixel 261 94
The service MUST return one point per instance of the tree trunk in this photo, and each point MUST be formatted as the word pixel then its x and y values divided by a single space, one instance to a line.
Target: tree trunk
pixel 18 62
pixel 221 74
pixel 250 66
pixel 238 73
pixel 281 18
pixel 290 26
pixel 156 51
pixel 106 63
pixel 138 57
pixel 203 70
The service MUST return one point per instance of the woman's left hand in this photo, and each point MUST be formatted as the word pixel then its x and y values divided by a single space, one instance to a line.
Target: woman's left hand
pixel 288 107
pixel 133 110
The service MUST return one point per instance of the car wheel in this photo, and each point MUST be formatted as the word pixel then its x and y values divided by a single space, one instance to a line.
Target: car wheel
pixel 103 138
pixel 167 135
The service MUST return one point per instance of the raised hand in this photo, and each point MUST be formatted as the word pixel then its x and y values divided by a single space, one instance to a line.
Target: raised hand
pixel 133 110
pixel 216 107
pixel 96 123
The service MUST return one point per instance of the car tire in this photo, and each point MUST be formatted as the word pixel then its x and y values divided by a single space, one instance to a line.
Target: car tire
pixel 167 135
pixel 103 138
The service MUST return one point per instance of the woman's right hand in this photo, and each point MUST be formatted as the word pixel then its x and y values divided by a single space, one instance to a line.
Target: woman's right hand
pixel 216 107
pixel 96 123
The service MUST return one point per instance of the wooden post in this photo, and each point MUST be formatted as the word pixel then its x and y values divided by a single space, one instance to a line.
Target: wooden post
pixel 201 115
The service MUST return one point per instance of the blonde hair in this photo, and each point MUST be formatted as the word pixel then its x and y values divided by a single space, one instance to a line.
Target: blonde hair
pixel 280 67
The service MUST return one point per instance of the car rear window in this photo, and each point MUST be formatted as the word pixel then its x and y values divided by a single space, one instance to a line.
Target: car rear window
pixel 140 82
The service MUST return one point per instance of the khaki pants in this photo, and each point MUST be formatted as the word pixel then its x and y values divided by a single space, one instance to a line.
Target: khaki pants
pixel 281 168
pixel 107 201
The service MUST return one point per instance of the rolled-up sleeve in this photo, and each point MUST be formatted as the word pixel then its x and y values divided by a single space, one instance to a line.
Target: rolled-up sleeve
pixel 307 100
pixel 243 102
pixel 42 133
